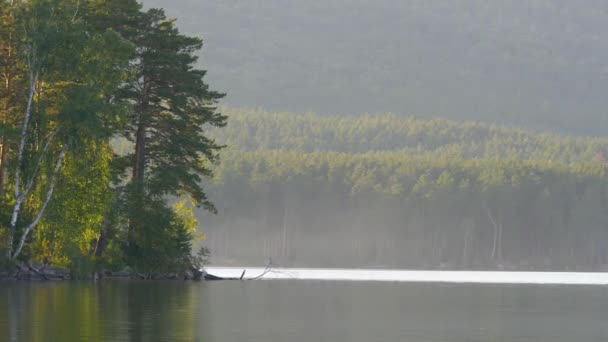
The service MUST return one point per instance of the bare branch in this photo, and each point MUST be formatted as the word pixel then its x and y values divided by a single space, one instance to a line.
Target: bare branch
pixel 30 183
pixel 76 12
pixel 266 271
pixel 26 121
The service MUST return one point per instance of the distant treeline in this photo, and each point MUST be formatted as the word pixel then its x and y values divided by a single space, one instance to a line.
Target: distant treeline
pixel 260 130
pixel 387 191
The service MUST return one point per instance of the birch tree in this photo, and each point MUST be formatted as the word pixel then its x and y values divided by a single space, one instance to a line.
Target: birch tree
pixel 70 75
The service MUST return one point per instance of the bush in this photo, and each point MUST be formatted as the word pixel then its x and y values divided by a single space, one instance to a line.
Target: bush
pixel 160 241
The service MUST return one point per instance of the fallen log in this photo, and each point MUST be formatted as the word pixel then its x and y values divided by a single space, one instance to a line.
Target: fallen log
pixel 213 277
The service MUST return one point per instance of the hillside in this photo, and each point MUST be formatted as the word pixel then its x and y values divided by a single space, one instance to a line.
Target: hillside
pixel 260 130
pixel 539 64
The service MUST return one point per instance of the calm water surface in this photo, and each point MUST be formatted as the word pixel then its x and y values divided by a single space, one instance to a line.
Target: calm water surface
pixel 294 311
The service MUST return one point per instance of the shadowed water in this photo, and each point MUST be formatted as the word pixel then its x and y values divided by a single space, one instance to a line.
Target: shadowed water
pixel 294 311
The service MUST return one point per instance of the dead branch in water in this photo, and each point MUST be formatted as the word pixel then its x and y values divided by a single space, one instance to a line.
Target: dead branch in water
pixel 266 271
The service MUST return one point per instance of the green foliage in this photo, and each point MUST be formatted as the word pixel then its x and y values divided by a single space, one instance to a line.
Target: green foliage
pixel 184 211
pixel 64 76
pixel 81 265
pixel 172 104
pixel 165 243
pixel 256 129
pixel 170 152
pixel 74 218
pixel 201 258
pixel 65 197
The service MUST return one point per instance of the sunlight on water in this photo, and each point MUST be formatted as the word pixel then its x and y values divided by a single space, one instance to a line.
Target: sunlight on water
pixel 555 278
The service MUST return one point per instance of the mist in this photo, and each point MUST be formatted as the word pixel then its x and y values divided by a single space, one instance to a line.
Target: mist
pixel 388 192
pixel 514 179
pixel 538 64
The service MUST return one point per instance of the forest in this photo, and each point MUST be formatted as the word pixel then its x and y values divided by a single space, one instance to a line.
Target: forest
pixel 75 76
pixel 385 191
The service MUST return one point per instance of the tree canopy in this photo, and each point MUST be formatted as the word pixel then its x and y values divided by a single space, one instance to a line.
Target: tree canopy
pixel 77 75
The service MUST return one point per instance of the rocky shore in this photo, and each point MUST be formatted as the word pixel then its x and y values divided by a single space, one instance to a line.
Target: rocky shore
pixel 40 272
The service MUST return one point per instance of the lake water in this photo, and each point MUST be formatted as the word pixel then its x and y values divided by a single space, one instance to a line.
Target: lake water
pixel 417 276
pixel 301 311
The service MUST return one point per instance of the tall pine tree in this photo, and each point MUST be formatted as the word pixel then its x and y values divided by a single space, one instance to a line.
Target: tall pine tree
pixel 171 105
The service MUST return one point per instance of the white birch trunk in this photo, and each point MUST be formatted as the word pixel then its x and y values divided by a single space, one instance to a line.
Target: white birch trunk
pixel 49 195
pixel 19 194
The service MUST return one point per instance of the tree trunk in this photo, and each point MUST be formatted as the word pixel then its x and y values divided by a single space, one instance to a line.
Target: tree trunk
pixel 49 195
pixel 139 165
pixel 284 232
pixel 3 153
pixel 102 241
pixel 499 242
pixel 19 194
pixel 139 161
pixel 467 244
pixel 495 237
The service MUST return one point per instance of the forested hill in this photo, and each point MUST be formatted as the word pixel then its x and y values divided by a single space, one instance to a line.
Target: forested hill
pixel 384 191
pixel 540 64
pixel 261 130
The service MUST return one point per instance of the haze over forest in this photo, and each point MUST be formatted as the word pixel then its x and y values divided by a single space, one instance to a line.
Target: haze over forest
pixel 342 188
pixel 539 64
pixel 383 191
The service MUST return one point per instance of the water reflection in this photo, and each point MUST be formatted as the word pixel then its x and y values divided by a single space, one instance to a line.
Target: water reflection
pixel 106 311
pixel 294 311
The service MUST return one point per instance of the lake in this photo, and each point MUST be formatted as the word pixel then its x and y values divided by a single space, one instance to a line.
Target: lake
pixel 301 310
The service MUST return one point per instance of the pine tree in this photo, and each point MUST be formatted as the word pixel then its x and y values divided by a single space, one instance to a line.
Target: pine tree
pixel 171 106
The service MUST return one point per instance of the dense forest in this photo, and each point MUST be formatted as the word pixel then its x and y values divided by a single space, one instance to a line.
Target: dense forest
pixel 76 75
pixel 384 191
pixel 538 64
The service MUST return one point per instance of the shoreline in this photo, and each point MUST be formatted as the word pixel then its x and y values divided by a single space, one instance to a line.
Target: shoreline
pixel 42 273
pixel 216 273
